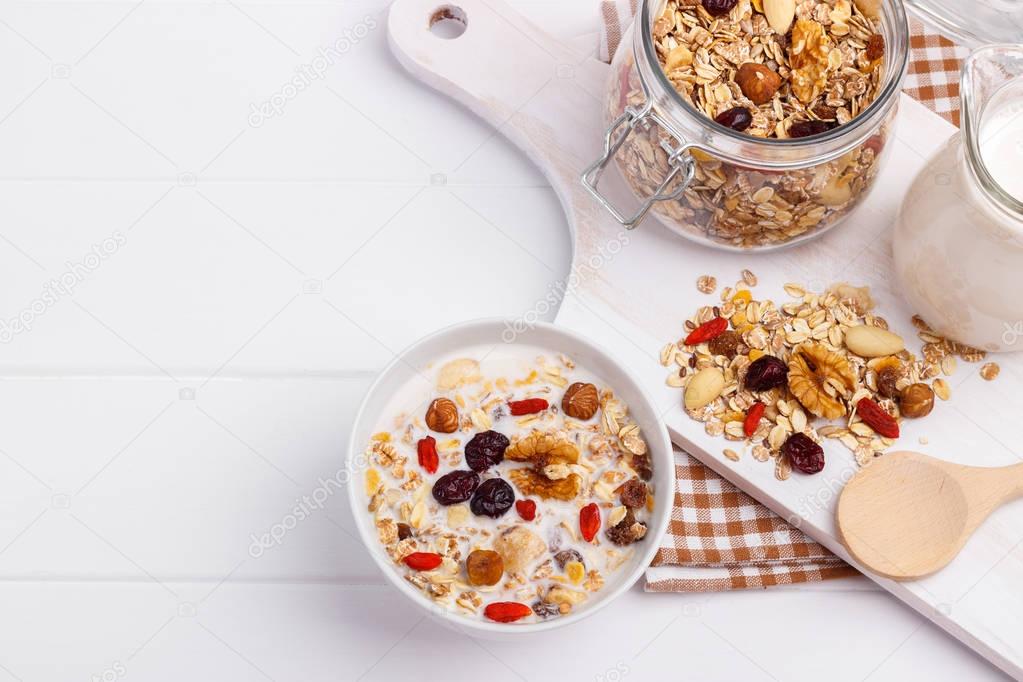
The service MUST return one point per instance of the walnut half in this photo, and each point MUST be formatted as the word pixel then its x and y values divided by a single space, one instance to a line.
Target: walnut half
pixel 529 482
pixel 550 476
pixel 819 379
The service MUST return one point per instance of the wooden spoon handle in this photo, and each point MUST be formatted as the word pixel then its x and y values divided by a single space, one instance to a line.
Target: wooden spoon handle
pixel 991 487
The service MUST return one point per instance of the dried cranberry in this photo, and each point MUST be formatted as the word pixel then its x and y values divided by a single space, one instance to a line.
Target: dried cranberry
pixel 804 454
pixel 485 450
pixel 765 373
pixel 457 486
pixel 736 118
pixel 493 498
pixel 807 128
pixel 566 555
pixel 718 7
pixel 633 493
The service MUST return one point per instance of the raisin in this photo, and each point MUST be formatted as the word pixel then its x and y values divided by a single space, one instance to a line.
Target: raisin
pixel 633 493
pixel 493 498
pixel 804 454
pixel 627 531
pixel 736 118
pixel 643 467
pixel 718 7
pixel 887 380
pixel 875 47
pixel 484 567
pixel 726 343
pixel 765 373
pixel 807 128
pixel 404 531
pixel 824 111
pixel 566 555
pixel 546 609
pixel 485 450
pixel 457 486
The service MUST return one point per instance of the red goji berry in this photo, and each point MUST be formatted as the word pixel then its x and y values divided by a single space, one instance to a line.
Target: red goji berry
pixel 423 561
pixel 526 509
pixel 506 611
pixel 707 331
pixel 874 416
pixel 749 425
pixel 589 521
pixel 527 406
pixel 427 450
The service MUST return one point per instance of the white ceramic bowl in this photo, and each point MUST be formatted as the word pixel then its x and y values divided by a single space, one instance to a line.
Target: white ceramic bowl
pixel 415 360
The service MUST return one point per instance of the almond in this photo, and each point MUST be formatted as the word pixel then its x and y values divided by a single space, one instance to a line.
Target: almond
pixel 704 387
pixel 757 82
pixel 873 342
pixel 780 14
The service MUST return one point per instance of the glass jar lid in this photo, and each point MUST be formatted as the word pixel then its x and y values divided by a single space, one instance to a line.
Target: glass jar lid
pixel 973 23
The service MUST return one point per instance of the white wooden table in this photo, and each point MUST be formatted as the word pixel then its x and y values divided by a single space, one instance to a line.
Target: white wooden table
pixel 180 388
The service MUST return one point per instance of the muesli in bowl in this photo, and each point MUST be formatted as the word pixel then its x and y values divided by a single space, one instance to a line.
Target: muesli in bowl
pixel 753 124
pixel 511 483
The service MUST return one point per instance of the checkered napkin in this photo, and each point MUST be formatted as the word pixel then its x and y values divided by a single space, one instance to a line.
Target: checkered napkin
pixel 934 61
pixel 720 538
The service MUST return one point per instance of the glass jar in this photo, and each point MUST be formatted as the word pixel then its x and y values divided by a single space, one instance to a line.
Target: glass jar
pixel 725 188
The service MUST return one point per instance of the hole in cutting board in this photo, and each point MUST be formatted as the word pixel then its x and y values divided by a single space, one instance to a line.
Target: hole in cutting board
pixel 448 22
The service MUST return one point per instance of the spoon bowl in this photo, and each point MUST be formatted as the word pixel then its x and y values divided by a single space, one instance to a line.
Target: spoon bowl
pixel 907 515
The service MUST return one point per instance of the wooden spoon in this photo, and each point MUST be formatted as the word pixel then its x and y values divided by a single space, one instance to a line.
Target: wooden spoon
pixel 906 515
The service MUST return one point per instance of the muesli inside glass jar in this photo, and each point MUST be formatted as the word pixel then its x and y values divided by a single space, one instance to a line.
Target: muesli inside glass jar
pixel 773 169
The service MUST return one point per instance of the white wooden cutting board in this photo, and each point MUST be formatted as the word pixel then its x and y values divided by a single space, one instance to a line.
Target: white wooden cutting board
pixel 631 291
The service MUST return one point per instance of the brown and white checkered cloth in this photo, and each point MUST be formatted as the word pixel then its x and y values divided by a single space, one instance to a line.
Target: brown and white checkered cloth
pixel 720 538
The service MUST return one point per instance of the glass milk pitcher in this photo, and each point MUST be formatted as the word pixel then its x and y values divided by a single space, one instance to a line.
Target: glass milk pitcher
pixel 959 236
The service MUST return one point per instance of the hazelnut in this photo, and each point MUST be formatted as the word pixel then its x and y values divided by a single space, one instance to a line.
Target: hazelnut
pixel 916 400
pixel 580 401
pixel 442 416
pixel 757 82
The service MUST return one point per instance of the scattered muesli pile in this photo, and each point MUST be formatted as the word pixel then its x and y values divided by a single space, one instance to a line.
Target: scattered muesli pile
pixel 766 375
pixel 769 69
pixel 543 437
